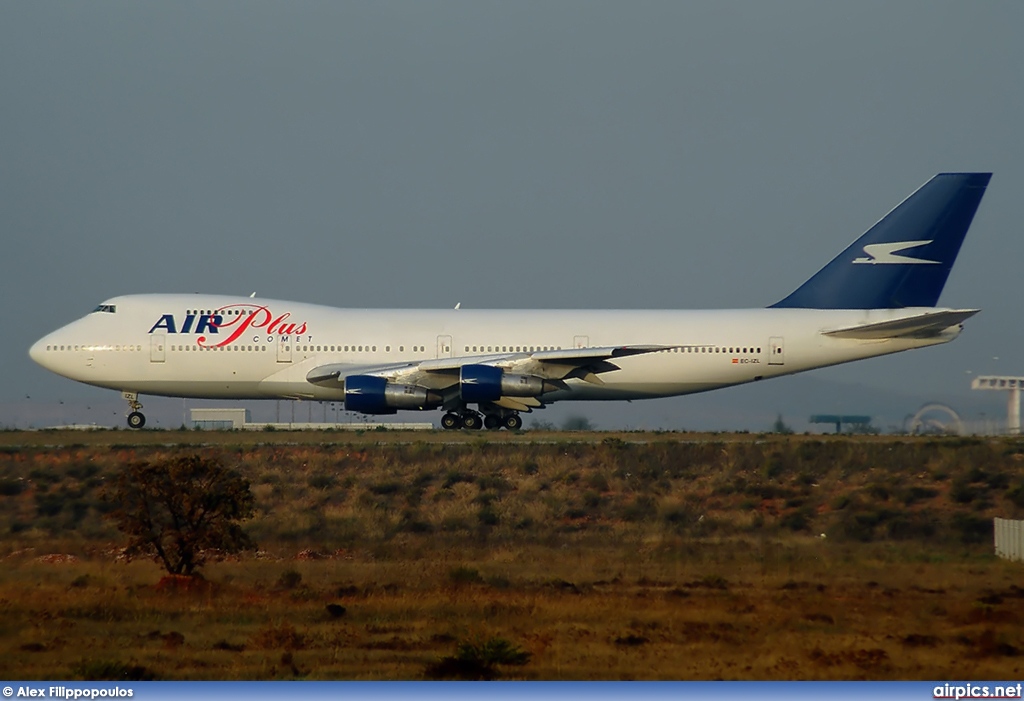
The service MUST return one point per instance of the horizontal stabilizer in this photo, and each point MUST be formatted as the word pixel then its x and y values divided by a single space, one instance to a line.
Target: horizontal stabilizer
pixel 917 326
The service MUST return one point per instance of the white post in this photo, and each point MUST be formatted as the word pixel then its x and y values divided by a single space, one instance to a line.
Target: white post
pixel 1013 412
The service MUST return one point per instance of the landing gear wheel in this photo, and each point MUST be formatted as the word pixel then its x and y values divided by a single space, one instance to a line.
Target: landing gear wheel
pixel 451 421
pixel 472 421
pixel 513 422
pixel 136 420
pixel 492 422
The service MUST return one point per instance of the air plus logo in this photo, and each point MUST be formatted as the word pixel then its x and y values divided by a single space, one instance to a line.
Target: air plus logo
pixel 885 253
pixel 232 320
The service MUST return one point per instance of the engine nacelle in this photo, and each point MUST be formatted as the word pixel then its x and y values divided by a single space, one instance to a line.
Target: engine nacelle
pixel 484 383
pixel 367 394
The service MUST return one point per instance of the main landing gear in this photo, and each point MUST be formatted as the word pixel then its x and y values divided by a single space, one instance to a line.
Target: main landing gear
pixel 467 418
pixel 472 420
pixel 136 419
pixel 513 422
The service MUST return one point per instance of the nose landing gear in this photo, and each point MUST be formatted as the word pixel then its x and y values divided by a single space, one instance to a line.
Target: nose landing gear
pixel 136 419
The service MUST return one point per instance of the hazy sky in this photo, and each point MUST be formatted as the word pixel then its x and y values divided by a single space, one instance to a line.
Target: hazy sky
pixel 515 154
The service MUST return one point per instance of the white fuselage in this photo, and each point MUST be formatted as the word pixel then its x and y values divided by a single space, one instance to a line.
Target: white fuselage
pixel 165 345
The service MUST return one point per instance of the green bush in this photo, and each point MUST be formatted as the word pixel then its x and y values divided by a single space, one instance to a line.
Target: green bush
pixel 642 508
pixel 105 670
pixel 913 495
pixel 798 520
pixel 386 488
pixel 478 660
pixel 487 516
pixel 464 575
pixel 495 483
pixel 83 472
pixel 1016 495
pixel 289 579
pixel 598 482
pixel 11 487
pixel 962 492
pixel 49 504
pixel 529 468
pixel 453 477
pixel 919 525
pixel 971 529
pixel 323 480
pixel 412 523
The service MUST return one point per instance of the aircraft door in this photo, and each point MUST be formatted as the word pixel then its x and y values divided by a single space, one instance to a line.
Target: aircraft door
pixel 776 351
pixel 581 341
pixel 157 343
pixel 284 349
pixel 444 346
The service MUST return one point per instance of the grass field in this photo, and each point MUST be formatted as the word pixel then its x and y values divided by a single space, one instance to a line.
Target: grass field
pixel 602 556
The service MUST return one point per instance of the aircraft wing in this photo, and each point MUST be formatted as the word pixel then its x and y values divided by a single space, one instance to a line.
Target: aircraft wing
pixel 918 326
pixel 441 373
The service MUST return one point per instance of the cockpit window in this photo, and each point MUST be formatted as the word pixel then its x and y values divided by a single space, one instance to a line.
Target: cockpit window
pixel 108 308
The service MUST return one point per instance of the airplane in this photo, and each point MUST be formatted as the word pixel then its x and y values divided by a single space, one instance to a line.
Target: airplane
pixel 483 368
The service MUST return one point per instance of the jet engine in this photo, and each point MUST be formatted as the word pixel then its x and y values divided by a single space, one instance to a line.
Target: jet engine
pixel 485 383
pixel 367 394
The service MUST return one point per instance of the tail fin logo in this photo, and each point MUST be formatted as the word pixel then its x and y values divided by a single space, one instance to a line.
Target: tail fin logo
pixel 885 253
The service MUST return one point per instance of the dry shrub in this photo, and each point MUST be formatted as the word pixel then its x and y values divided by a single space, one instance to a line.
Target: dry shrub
pixel 282 637
pixel 184 584
pixel 106 670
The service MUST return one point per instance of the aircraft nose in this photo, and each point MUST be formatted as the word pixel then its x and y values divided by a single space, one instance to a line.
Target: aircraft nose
pixel 38 352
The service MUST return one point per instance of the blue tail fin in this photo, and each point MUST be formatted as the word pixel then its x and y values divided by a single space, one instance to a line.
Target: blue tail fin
pixel 903 260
